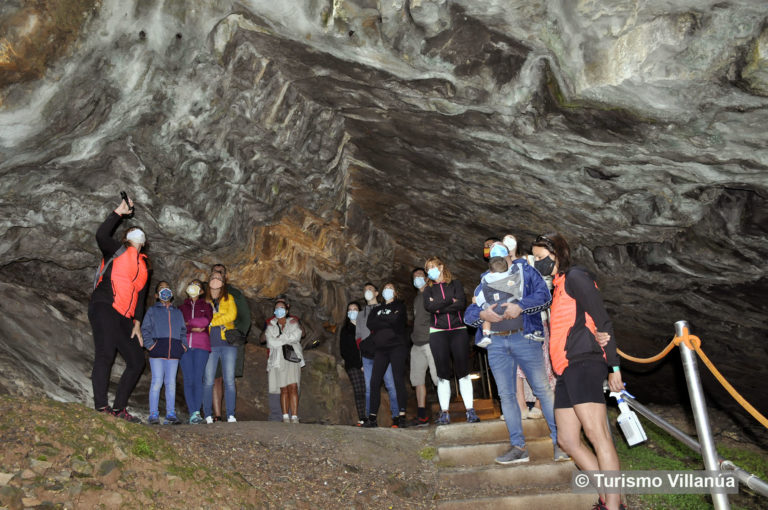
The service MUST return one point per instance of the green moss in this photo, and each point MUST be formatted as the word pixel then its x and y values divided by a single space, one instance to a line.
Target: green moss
pixel 428 453
pixel 42 458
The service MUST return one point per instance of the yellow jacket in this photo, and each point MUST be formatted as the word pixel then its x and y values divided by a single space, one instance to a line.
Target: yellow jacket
pixel 226 315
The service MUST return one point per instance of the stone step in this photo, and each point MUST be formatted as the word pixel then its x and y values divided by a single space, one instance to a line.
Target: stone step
pixel 484 454
pixel 558 499
pixel 487 431
pixel 524 475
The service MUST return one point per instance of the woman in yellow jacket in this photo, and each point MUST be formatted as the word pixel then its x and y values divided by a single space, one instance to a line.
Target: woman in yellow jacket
pixel 224 314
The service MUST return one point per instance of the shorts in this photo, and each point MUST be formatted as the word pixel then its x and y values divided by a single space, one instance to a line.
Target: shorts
pixel 421 361
pixel 580 383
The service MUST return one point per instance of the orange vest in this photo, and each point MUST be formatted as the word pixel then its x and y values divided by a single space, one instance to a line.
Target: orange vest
pixel 562 319
pixel 128 277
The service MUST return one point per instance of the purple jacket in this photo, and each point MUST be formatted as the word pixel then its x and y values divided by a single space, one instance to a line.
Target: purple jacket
pixel 197 314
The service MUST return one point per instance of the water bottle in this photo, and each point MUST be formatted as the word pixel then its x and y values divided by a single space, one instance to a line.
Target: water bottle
pixel 629 422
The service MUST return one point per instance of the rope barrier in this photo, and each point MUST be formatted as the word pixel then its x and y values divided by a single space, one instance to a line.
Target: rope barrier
pixel 694 343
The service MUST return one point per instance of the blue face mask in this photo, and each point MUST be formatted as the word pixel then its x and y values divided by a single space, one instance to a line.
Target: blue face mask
pixel 352 314
pixel 419 282
pixel 433 274
pixel 165 294
pixel 499 250
pixel 388 294
pixel 280 312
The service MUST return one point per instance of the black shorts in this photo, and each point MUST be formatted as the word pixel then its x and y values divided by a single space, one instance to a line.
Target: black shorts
pixel 581 382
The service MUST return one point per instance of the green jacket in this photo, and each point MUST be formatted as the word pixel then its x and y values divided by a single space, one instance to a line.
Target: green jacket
pixel 243 320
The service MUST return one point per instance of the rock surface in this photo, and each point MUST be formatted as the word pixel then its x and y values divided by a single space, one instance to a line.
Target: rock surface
pixel 313 145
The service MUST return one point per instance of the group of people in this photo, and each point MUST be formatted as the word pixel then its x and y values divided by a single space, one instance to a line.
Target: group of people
pixel 203 336
pixel 528 331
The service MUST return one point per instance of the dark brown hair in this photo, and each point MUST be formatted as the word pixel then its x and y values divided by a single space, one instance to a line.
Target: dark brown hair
pixel 498 264
pixel 557 246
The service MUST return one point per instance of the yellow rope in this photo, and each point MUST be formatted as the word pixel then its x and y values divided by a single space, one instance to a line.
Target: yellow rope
pixel 694 343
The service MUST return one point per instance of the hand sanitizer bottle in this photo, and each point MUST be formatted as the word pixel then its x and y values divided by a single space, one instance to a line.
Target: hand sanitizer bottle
pixel 629 422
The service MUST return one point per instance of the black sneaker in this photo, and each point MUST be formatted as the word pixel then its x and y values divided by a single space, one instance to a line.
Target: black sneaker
pixel 123 414
pixel 396 422
pixel 401 421
pixel 105 410
pixel 419 422
pixel 370 423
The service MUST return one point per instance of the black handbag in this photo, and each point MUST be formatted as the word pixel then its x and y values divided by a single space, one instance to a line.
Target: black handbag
pixel 290 354
pixel 234 337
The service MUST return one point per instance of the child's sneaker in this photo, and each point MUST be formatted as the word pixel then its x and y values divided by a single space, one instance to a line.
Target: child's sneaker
pixel 209 420
pixel 196 419
pixel 153 419
pixel 172 419
pixel 485 341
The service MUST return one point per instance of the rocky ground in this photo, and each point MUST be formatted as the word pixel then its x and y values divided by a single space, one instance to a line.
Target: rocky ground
pixel 65 455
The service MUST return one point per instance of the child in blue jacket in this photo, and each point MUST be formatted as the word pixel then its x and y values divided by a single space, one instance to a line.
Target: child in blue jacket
pixel 165 337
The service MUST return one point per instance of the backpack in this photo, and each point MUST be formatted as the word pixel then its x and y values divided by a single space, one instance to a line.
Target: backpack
pixel 104 265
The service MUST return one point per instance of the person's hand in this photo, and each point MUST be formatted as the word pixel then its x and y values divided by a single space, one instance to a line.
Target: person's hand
pixel 136 332
pixel 615 383
pixel 124 209
pixel 511 310
pixel 602 338
pixel 490 315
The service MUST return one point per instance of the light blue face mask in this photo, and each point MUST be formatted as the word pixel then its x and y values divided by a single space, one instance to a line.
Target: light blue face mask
pixel 388 294
pixel 165 294
pixel 352 314
pixel 419 282
pixel 433 274
pixel 279 312
pixel 499 250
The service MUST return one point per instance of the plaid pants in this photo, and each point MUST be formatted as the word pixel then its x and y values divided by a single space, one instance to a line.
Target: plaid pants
pixel 358 387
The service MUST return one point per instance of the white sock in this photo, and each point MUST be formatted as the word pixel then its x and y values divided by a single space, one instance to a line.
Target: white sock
pixel 444 393
pixel 467 393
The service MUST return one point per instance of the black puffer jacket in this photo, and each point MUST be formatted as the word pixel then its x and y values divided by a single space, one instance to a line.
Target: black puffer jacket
pixel 387 323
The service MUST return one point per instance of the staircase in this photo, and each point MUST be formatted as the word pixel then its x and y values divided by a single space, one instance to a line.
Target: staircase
pixel 469 478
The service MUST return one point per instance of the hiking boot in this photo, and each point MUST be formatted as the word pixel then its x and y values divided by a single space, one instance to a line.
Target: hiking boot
pixel 196 419
pixel 231 419
pixel 472 416
pixel 153 419
pixel 444 418
pixel 515 455
pixel 123 414
pixel 371 423
pixel 172 419
pixel 419 422
pixel 560 455
pixel 209 420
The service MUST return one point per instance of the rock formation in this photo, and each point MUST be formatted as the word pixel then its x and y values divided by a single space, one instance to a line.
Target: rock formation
pixel 313 145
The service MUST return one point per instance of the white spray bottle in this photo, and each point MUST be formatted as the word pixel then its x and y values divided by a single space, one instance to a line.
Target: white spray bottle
pixel 628 421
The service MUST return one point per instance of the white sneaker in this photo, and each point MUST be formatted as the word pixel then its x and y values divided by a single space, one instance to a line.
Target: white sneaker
pixel 502 418
pixel 534 413
pixel 294 419
pixel 231 419
pixel 286 418
pixel 209 420
pixel 485 341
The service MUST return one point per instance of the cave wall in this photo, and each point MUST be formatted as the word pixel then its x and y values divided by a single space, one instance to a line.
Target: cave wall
pixel 314 145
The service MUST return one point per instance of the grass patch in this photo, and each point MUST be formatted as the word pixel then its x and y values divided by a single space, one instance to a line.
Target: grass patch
pixel 141 448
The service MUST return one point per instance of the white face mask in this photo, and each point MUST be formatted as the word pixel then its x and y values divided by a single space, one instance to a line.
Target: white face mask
pixel 368 295
pixel 136 236
pixel 511 243
pixel 193 290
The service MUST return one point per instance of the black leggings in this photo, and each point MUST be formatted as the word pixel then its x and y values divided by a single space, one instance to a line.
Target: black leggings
pixel 447 344
pixel 397 357
pixel 112 334
pixel 357 379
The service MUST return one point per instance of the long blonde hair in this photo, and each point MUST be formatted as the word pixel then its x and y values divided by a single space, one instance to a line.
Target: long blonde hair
pixel 437 261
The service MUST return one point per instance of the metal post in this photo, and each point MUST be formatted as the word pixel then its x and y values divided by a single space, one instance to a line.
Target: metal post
pixel 703 429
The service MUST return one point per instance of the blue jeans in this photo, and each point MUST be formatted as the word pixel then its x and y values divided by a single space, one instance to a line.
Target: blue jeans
pixel 228 356
pixel 163 371
pixel 389 384
pixel 193 367
pixel 504 355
